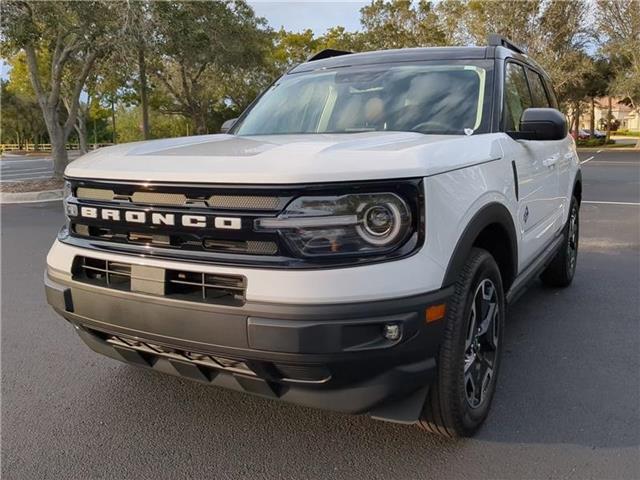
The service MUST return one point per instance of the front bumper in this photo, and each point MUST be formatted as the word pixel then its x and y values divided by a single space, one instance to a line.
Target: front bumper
pixel 325 356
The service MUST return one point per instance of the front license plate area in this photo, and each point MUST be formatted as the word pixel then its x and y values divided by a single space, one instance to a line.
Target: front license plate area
pixel 150 280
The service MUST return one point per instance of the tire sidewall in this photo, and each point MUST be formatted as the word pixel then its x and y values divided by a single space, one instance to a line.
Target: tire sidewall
pixel 473 417
pixel 574 207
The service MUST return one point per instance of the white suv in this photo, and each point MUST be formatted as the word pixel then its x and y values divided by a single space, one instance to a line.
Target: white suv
pixel 350 244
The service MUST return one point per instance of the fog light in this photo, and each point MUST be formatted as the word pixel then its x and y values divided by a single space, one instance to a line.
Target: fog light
pixel 391 331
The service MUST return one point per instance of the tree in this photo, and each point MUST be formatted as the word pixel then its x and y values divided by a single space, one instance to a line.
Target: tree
pixel 338 38
pixel 596 84
pixel 554 32
pixel 292 48
pixel 198 43
pixel 73 35
pixel 619 24
pixel 401 24
pixel 21 120
pixel 134 52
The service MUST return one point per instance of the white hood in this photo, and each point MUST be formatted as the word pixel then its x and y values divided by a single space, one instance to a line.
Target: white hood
pixel 287 159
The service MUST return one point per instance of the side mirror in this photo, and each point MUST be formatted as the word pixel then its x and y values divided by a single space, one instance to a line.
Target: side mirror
pixel 541 124
pixel 226 126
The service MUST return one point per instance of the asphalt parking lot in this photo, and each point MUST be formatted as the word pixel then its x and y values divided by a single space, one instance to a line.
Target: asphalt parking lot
pixel 567 405
pixel 16 168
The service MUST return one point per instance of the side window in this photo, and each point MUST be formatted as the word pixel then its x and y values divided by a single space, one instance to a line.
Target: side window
pixel 552 95
pixel 538 92
pixel 516 96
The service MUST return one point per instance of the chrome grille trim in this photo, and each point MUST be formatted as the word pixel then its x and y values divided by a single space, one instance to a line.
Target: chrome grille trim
pixel 243 202
pixel 226 202
pixel 158 198
pixel 86 193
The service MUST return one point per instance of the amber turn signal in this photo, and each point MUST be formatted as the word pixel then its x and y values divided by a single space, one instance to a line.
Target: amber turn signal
pixel 434 312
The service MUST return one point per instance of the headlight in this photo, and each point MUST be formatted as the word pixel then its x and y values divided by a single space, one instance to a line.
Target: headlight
pixel 352 224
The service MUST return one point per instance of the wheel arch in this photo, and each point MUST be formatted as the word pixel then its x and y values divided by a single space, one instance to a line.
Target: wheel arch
pixel 491 228
pixel 577 187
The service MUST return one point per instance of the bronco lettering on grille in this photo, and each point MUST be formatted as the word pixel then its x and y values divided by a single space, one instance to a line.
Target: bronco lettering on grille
pixel 158 218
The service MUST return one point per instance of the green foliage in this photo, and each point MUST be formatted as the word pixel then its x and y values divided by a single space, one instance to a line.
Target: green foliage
pixel 129 127
pixel 197 44
pixel 61 42
pixel 193 65
pixel 291 48
pixel 554 32
pixel 21 120
pixel 618 23
pixel 628 133
pixel 401 24
pixel 593 142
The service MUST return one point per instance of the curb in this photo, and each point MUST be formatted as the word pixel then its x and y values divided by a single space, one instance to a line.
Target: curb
pixel 604 149
pixel 31 197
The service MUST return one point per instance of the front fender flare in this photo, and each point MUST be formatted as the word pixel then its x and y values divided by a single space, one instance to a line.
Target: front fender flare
pixel 493 213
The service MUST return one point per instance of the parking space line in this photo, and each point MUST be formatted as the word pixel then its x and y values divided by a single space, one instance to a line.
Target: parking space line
pixel 587 160
pixel 26 161
pixel 599 151
pixel 25 170
pixel 596 202
pixel 615 162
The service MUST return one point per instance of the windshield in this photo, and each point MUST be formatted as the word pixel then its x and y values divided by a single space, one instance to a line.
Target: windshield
pixel 433 99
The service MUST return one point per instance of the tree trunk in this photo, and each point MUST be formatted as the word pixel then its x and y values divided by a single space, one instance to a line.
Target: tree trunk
pixel 80 125
pixel 592 123
pixel 144 102
pixel 200 120
pixel 609 115
pixel 95 135
pixel 49 101
pixel 58 150
pixel 113 122
pixel 577 108
pixel 81 129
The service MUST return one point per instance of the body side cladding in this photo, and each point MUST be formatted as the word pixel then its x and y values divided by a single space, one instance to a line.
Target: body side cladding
pixel 491 214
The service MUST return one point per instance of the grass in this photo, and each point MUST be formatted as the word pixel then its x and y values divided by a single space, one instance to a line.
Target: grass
pixel 626 133
pixel 593 142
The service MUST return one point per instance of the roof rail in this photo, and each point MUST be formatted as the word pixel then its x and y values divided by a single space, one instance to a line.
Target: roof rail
pixel 495 40
pixel 327 53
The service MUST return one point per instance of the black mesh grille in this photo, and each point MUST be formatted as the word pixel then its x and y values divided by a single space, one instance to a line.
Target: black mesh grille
pixel 178 284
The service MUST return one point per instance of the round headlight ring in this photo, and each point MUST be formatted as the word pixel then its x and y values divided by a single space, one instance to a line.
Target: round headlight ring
pixel 378 220
pixel 374 234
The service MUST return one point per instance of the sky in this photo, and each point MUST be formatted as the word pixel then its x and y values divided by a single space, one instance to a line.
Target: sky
pixel 318 15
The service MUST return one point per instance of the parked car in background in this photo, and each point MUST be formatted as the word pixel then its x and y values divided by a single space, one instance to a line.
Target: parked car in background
pixel 585 134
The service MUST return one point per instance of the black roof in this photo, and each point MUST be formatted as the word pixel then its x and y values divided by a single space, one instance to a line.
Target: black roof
pixel 400 55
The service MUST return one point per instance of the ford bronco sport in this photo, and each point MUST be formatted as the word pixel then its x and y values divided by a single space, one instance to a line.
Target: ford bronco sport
pixel 351 243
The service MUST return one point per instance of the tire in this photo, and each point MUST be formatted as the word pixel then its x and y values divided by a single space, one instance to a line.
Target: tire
pixel 468 362
pixel 560 272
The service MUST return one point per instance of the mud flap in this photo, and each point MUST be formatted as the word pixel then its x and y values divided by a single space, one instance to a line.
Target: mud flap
pixel 406 410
